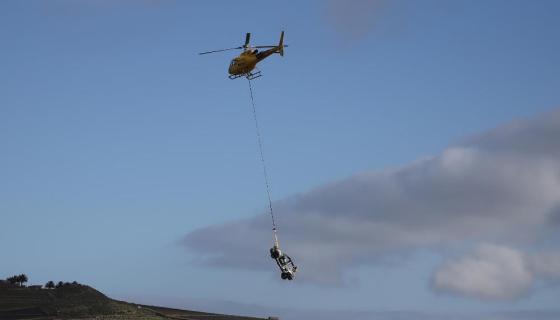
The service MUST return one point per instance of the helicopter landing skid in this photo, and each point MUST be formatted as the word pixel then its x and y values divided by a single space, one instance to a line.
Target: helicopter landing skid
pixel 249 75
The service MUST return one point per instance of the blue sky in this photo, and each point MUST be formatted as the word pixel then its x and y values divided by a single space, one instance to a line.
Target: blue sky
pixel 118 140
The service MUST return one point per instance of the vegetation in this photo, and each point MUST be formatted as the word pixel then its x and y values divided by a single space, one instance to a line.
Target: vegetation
pixel 18 280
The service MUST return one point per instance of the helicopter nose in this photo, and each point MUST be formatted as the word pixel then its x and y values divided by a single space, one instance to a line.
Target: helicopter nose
pixel 231 69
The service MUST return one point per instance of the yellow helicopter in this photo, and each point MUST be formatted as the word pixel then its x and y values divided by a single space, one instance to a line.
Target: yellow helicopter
pixel 243 65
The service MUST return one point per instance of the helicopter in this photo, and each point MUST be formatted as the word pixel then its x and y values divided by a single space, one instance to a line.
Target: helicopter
pixel 243 65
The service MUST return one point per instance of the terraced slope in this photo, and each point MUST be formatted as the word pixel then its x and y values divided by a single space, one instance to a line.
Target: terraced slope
pixel 70 300
pixel 76 301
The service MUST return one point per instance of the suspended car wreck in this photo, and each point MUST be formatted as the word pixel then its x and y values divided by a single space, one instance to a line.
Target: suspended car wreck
pixel 284 262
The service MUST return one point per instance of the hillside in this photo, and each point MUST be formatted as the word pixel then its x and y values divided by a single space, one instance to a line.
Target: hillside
pixel 76 301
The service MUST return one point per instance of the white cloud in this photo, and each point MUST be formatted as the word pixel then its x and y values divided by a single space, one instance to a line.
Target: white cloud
pixel 493 272
pixel 546 264
pixel 502 186
pixel 496 272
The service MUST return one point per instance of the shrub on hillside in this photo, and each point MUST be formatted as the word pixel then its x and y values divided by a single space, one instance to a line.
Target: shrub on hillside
pixel 18 279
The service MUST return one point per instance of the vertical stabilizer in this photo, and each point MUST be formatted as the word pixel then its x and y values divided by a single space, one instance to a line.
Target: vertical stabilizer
pixel 281 44
pixel 247 39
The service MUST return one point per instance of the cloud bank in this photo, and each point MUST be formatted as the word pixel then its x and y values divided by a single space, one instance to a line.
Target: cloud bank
pixel 496 272
pixel 502 186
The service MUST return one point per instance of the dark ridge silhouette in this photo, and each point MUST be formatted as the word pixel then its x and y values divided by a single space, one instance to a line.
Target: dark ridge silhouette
pixel 74 300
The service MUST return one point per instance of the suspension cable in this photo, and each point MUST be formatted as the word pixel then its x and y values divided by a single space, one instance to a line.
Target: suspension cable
pixel 259 139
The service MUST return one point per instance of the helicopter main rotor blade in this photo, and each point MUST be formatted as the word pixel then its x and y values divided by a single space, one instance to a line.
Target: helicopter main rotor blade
pixel 220 50
pixel 267 46
pixel 247 38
